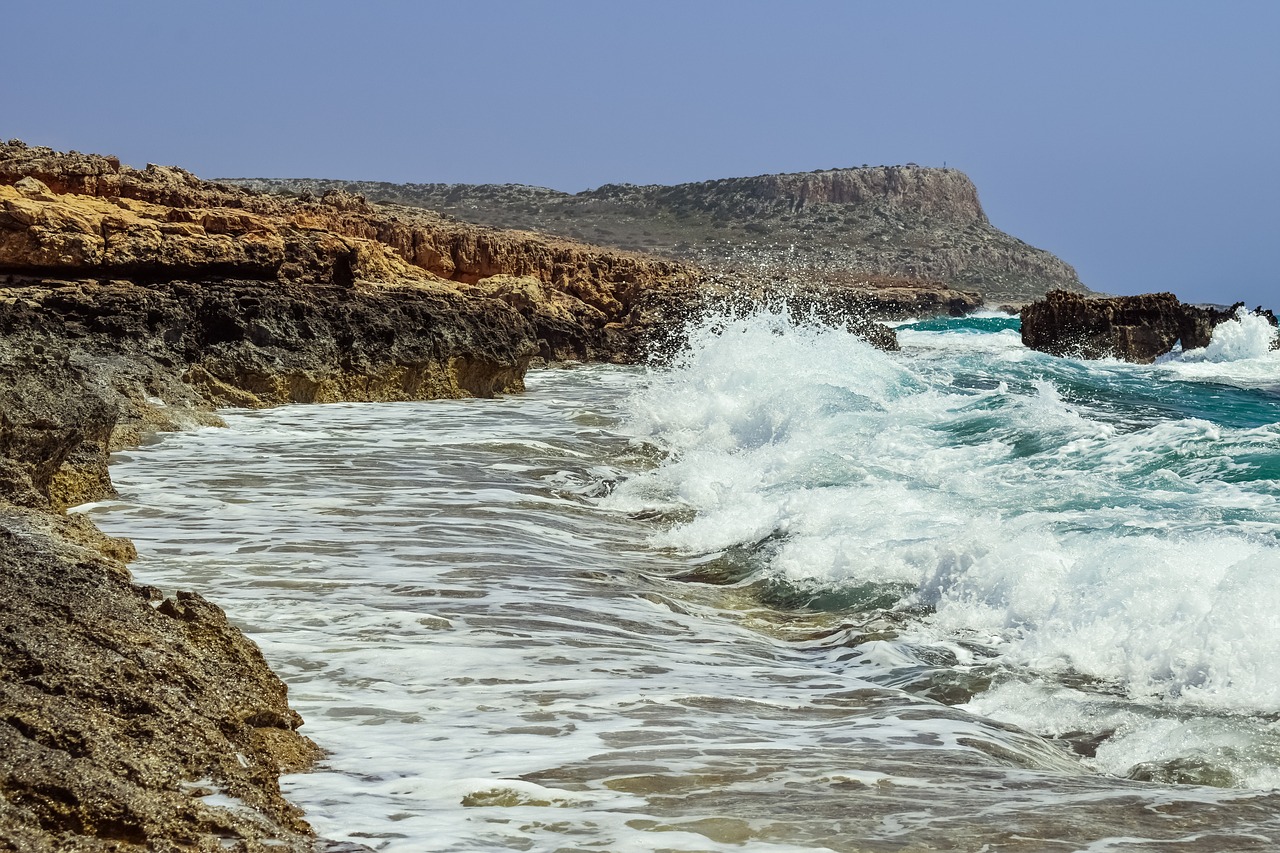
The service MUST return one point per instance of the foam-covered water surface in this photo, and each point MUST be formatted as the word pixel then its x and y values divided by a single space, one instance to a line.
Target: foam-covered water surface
pixel 790 593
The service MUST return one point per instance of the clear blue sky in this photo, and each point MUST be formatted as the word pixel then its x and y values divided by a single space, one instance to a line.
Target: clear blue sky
pixel 1138 140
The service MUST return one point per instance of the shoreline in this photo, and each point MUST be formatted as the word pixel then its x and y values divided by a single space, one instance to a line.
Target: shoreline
pixel 138 301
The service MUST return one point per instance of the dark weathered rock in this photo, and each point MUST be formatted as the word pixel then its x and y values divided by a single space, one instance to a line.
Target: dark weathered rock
pixel 119 712
pixel 87 367
pixel 48 413
pixel 1132 328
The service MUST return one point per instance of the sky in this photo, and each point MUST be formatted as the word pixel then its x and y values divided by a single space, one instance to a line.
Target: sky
pixel 1139 141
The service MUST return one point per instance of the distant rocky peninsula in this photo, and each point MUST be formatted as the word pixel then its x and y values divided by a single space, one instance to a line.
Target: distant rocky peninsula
pixel 138 300
pixel 829 226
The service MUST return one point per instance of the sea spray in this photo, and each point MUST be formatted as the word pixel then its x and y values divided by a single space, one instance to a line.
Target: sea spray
pixel 1033 506
pixel 1248 336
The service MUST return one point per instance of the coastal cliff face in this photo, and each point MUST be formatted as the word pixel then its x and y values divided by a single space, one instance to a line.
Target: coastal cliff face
pixel 904 222
pixel 73 216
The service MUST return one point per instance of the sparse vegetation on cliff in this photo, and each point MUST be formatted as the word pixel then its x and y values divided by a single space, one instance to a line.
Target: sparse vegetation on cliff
pixel 905 222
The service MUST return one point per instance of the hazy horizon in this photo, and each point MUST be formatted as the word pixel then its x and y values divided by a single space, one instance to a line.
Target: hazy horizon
pixel 1136 141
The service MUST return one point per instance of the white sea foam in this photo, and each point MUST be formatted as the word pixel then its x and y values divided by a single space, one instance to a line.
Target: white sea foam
pixel 493 662
pixel 1240 353
pixel 479 615
pixel 1249 335
pixel 1145 558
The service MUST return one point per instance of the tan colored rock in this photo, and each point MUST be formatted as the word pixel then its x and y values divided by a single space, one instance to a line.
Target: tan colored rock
pixel 32 188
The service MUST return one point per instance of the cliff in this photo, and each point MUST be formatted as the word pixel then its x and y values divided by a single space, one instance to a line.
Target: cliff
pixel 86 216
pixel 904 222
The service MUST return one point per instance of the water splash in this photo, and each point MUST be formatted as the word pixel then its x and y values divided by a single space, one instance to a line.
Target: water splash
pixel 897 601
pixel 1248 336
pixel 1036 507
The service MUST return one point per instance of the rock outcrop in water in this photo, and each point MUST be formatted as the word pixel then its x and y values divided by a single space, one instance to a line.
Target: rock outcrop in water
pixel 1132 328
pixel 907 223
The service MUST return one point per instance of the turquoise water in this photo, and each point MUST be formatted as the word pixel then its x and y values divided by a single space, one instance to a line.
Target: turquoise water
pixel 788 593
pixel 1099 537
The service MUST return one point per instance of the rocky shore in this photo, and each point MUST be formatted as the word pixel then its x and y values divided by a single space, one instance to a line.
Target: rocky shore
pixel 137 300
pixel 140 300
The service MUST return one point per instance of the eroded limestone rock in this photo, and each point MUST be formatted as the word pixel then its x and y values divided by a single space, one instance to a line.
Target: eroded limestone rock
pixel 121 711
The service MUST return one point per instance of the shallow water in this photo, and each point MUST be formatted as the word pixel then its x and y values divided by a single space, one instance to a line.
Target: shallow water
pixel 789 594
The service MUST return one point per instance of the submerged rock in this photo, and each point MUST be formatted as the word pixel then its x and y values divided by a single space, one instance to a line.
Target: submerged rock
pixel 1131 328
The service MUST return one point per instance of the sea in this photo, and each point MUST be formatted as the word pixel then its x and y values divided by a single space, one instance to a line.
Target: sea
pixel 785 592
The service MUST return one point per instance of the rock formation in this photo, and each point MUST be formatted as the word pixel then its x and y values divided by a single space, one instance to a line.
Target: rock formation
pixel 86 216
pixel 122 713
pixel 901 222
pixel 87 367
pixel 1132 328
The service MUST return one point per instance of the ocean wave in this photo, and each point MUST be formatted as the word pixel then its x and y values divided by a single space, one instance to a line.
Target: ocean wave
pixel 1067 517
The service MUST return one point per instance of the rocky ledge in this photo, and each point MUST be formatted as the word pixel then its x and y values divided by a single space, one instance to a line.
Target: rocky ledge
pixel 83 216
pixel 1131 328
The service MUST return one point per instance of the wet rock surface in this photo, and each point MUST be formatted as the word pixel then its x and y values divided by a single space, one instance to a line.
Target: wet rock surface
pixel 130 721
pixel 1132 328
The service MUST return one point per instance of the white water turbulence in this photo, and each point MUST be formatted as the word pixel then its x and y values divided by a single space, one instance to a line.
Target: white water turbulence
pixel 788 593
pixel 1241 353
